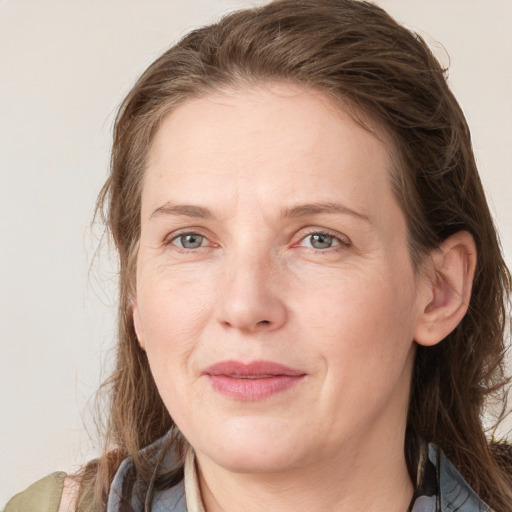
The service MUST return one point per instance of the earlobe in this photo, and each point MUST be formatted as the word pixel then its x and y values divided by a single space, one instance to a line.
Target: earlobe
pixel 449 281
pixel 137 324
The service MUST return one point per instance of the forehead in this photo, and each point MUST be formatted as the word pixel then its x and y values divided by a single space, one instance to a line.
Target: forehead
pixel 250 142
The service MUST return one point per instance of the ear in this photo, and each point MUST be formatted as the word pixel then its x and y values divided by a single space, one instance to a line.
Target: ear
pixel 448 281
pixel 137 323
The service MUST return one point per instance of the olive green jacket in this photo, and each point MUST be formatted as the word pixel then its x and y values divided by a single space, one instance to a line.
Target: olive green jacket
pixel 43 496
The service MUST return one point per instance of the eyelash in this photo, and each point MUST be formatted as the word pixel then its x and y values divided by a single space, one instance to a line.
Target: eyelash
pixel 176 236
pixel 342 241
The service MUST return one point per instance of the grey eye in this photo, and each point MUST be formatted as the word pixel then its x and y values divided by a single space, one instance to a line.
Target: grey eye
pixel 189 241
pixel 322 240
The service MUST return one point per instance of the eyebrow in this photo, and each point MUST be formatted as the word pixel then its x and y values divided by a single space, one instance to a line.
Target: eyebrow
pixel 187 210
pixel 304 210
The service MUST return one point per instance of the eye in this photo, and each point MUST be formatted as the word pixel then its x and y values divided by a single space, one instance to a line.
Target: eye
pixel 321 241
pixel 189 241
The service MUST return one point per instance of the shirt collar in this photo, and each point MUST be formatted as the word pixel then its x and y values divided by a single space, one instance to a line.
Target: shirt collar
pixel 439 487
pixel 192 490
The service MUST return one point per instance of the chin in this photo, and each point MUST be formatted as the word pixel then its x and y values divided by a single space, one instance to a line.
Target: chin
pixel 243 459
pixel 256 448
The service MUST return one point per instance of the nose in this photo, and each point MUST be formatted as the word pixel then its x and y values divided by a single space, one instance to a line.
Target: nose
pixel 251 296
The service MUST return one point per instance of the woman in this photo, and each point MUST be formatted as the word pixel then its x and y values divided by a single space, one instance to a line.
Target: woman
pixel 312 295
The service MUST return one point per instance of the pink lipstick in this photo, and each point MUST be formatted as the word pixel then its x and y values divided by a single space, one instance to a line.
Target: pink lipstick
pixel 253 381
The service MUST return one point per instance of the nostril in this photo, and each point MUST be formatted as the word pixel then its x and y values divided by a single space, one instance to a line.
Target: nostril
pixel 263 322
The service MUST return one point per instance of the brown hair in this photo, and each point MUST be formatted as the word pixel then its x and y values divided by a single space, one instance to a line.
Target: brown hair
pixel 356 52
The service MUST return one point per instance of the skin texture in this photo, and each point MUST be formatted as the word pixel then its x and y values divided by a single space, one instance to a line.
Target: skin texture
pixel 259 287
pixel 69 495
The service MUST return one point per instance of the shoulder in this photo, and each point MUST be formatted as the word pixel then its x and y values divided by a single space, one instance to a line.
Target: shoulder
pixel 43 496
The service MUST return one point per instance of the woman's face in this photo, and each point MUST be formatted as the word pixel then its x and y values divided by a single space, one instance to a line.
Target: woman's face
pixel 276 299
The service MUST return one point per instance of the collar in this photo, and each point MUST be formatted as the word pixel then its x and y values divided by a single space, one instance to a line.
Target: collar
pixel 192 489
pixel 440 487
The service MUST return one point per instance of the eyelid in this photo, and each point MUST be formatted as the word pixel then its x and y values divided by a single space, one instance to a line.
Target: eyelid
pixel 170 237
pixel 344 240
pixel 180 245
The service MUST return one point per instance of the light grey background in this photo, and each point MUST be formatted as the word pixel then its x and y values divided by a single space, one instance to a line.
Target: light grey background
pixel 64 68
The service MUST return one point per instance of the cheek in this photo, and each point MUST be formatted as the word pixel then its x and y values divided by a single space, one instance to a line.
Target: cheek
pixel 381 295
pixel 173 312
pixel 361 322
pixel 362 332
pixel 173 324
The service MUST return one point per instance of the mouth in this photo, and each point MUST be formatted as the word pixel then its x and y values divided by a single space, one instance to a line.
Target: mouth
pixel 254 381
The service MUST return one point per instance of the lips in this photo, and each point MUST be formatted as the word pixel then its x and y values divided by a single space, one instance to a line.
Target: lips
pixel 255 381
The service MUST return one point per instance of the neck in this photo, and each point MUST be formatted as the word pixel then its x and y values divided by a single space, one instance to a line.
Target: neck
pixel 367 477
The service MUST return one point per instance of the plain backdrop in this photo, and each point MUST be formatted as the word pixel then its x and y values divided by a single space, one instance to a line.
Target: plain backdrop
pixel 64 68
